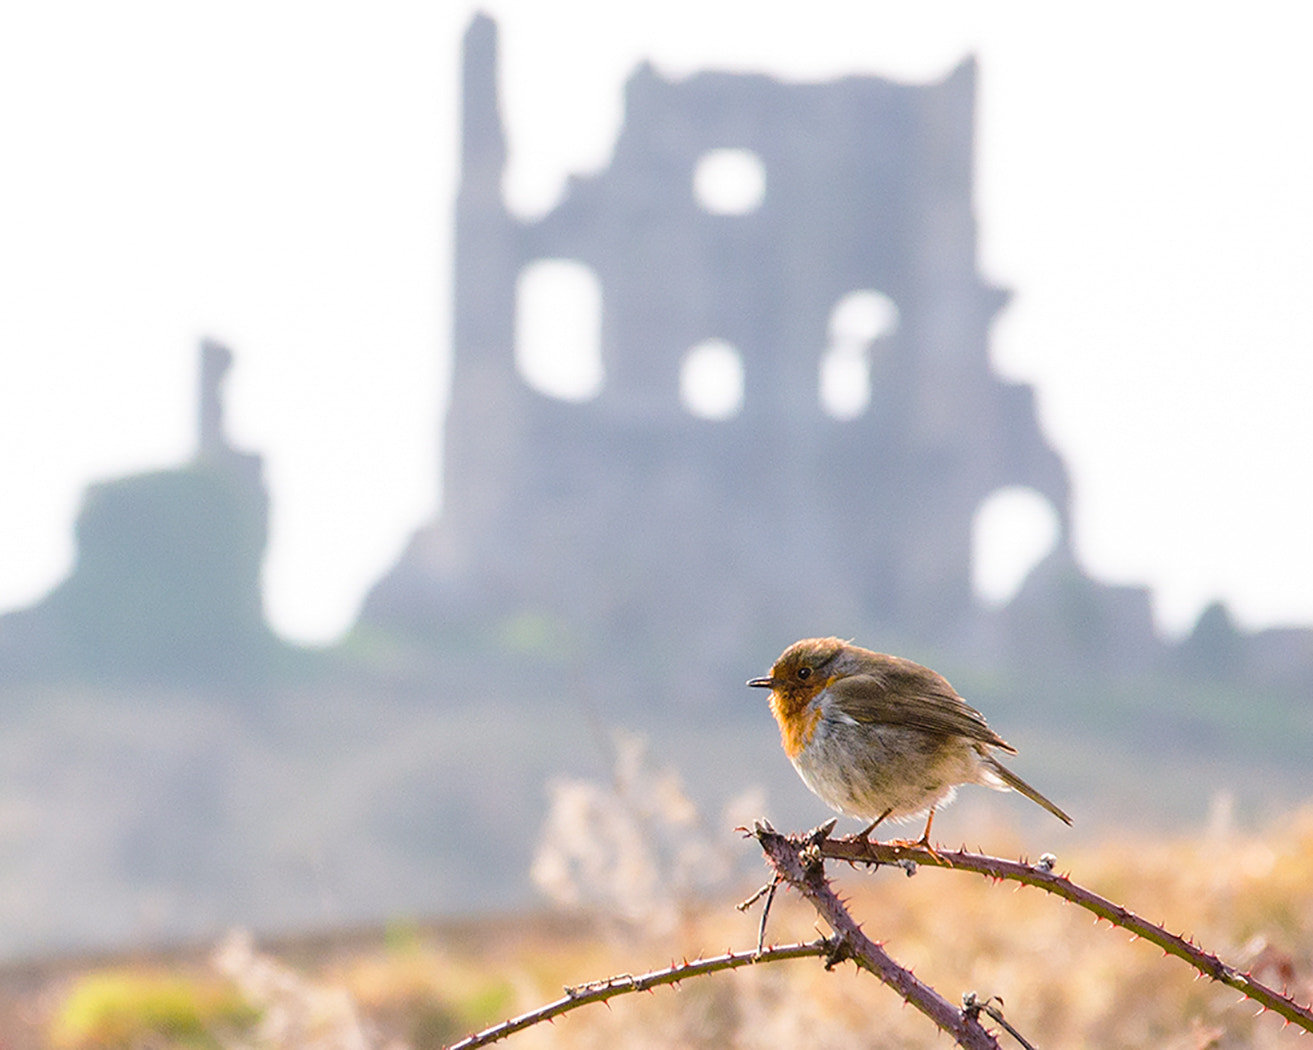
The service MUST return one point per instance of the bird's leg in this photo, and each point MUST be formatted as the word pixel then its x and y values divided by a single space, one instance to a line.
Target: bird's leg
pixel 865 836
pixel 923 842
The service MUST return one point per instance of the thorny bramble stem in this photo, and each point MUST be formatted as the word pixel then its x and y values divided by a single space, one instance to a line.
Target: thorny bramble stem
pixel 857 851
pixel 798 860
pixel 601 991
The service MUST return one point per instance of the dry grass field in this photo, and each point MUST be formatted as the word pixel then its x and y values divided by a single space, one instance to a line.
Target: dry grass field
pixel 1065 981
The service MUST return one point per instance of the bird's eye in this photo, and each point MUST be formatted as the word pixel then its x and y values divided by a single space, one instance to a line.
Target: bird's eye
pixel 804 672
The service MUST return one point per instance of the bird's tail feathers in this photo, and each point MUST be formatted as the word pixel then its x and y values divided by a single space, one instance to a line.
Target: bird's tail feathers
pixel 996 769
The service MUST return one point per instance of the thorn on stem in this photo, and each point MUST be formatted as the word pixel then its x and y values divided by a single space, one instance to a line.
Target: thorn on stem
pixel 822 832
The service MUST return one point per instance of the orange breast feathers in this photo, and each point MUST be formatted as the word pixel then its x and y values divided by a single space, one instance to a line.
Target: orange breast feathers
pixel 797 718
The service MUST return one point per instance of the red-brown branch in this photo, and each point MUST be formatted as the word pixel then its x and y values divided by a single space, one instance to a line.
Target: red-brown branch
pixel 601 991
pixel 858 851
pixel 798 861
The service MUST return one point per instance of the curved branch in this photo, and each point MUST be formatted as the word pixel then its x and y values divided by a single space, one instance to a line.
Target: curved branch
pixel 858 851
pixel 601 991
pixel 798 860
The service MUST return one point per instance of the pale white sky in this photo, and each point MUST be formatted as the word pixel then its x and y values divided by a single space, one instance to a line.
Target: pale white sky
pixel 280 175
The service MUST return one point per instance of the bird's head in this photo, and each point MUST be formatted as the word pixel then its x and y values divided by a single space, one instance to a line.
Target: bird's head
pixel 802 671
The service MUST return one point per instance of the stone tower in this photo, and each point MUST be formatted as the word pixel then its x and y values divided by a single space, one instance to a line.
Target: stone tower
pixel 166 584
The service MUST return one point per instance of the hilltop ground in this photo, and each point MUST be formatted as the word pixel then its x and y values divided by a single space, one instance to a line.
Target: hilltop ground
pixel 1065 981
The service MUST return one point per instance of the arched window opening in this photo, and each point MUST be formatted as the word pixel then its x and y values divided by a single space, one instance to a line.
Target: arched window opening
pixel 729 182
pixel 558 329
pixel 711 380
pixel 857 322
pixel 1013 530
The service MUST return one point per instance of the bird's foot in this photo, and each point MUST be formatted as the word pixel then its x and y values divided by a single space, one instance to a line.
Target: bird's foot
pixel 922 843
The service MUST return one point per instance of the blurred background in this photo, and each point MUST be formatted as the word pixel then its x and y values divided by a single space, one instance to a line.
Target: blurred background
pixel 398 402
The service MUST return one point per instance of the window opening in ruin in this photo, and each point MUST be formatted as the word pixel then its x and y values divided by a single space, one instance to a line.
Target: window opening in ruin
pixel 858 322
pixel 729 182
pixel 1012 531
pixel 558 329
pixel 711 380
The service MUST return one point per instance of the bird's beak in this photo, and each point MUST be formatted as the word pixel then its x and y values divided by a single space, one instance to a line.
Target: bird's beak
pixel 762 683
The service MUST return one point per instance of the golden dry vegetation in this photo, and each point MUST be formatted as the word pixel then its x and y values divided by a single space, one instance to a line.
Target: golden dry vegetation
pixel 1064 980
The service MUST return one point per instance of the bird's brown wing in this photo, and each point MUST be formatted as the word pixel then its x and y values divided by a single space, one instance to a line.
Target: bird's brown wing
pixel 911 696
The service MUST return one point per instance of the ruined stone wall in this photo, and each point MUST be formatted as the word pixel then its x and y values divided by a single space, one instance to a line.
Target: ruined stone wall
pixel 635 525
pixel 626 513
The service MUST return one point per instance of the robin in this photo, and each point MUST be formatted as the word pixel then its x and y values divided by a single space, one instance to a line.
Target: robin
pixel 880 737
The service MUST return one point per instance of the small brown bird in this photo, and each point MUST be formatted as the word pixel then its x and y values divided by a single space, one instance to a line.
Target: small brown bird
pixel 880 737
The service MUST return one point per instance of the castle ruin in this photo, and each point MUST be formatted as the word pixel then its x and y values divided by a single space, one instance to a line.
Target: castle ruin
pixel 630 520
